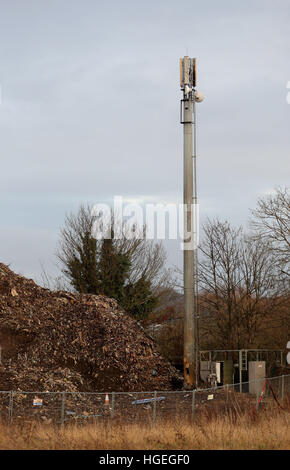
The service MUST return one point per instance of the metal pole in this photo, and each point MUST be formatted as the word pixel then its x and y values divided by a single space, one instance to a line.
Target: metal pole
pixel 10 415
pixel 257 393
pixel 62 408
pixel 154 407
pixel 113 404
pixel 193 405
pixel 188 253
pixel 240 369
pixel 195 252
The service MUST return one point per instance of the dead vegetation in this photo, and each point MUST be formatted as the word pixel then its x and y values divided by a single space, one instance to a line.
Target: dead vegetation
pixel 266 430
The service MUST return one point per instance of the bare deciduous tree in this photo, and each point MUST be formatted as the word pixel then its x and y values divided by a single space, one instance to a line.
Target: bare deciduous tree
pixel 236 285
pixel 271 222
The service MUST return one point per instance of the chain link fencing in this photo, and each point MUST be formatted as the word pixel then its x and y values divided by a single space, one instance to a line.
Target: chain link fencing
pixel 139 407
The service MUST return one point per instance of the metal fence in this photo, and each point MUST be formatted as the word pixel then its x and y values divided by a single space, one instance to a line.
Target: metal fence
pixel 81 407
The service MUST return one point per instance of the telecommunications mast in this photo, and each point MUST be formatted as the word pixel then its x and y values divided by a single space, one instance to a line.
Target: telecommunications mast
pixel 188 119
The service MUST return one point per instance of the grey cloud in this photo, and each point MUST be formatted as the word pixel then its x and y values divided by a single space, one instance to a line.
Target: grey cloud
pixel 91 109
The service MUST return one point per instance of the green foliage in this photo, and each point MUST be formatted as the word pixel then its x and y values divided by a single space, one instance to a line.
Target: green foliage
pixel 139 299
pixel 125 271
pixel 81 266
pixel 113 269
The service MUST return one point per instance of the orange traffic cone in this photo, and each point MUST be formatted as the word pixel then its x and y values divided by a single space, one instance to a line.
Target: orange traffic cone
pixel 107 401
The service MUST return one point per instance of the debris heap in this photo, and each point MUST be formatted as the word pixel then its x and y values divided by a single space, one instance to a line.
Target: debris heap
pixel 61 341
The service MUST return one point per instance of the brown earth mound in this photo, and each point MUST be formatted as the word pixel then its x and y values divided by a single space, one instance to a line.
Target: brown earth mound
pixel 59 341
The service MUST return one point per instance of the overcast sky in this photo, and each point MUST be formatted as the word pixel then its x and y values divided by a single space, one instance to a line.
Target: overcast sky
pixel 90 109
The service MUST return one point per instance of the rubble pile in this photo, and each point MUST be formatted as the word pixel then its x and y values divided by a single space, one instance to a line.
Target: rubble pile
pixel 61 341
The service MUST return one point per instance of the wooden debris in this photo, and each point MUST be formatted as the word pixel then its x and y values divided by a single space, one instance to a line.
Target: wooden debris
pixel 61 341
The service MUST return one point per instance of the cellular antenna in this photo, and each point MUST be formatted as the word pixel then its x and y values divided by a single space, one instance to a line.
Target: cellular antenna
pixel 190 261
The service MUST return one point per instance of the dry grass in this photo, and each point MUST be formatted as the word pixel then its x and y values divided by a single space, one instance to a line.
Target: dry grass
pixel 268 430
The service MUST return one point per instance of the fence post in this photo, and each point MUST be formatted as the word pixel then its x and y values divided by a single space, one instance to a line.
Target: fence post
pixel 154 407
pixel 257 393
pixel 10 411
pixel 281 358
pixel 192 405
pixel 113 404
pixel 62 408
pixel 282 387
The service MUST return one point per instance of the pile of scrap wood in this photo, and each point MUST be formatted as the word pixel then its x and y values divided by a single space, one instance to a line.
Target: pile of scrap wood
pixel 62 341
